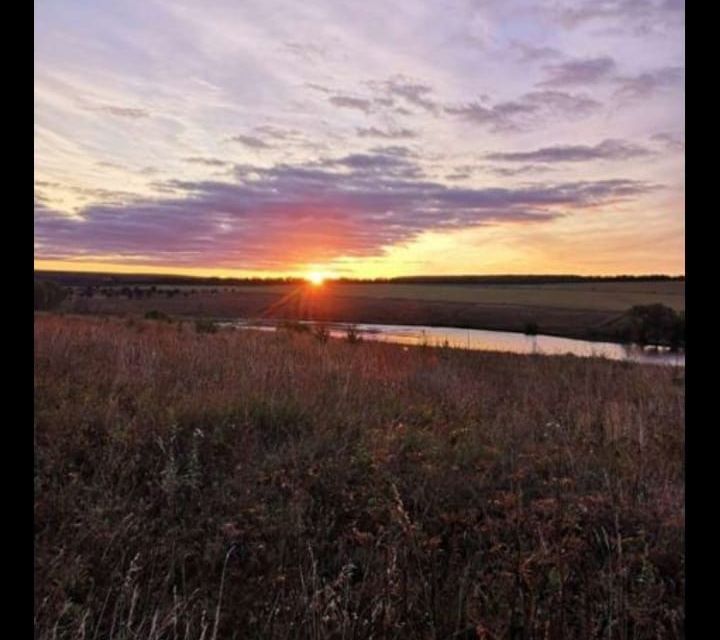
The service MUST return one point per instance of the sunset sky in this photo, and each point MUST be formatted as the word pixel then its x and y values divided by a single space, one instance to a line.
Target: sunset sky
pixel 373 138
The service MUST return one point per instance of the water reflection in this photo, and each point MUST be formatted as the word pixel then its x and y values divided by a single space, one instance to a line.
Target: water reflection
pixel 484 340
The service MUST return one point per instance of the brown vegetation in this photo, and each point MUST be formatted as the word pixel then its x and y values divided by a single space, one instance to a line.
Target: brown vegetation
pixel 241 484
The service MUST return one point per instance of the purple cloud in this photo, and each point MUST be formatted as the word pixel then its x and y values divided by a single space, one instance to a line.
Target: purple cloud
pixel 529 110
pixel 208 162
pixel 606 150
pixel 270 218
pixel 348 102
pixel 391 133
pixel 122 112
pixel 578 72
pixel 646 84
pixel 251 141
pixel 671 141
pixel 412 92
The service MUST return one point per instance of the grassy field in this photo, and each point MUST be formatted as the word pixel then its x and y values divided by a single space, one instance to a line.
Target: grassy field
pixel 602 296
pixel 251 485
pixel 582 310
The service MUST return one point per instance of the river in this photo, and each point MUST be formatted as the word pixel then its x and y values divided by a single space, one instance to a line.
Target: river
pixel 485 340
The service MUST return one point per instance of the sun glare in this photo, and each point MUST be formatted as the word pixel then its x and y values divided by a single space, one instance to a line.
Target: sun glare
pixel 315 278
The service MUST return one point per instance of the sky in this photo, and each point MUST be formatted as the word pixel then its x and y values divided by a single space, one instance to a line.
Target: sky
pixel 360 139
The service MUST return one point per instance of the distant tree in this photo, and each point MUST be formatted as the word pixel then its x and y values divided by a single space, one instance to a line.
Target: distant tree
pixel 531 328
pixel 48 295
pixel 654 324
pixel 677 338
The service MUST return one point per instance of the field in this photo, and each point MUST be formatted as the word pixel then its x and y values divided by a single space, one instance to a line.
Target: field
pixel 253 485
pixel 581 310
pixel 603 296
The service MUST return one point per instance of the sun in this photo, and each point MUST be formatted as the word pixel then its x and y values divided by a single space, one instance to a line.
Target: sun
pixel 315 278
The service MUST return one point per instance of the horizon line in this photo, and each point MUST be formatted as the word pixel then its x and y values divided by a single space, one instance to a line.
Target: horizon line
pixel 150 274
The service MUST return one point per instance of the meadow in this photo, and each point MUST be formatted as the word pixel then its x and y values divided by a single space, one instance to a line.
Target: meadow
pixel 604 296
pixel 240 484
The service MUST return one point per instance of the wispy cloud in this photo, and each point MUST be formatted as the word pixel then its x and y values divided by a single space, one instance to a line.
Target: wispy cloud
pixel 578 12
pixel 390 133
pixel 529 110
pixel 208 162
pixel 578 72
pixel 250 141
pixel 646 84
pixel 412 92
pixel 605 150
pixel 670 141
pixel 348 102
pixel 122 112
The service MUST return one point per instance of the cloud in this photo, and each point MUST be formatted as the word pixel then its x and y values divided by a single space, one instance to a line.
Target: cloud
pixel 529 110
pixel 394 150
pixel 348 102
pixel 500 117
pixel 578 72
pixel 524 170
pixel 208 162
pixel 562 103
pixel 578 12
pixel 96 194
pixel 412 92
pixel 646 84
pixel 306 50
pixel 530 53
pixel 670 141
pixel 286 215
pixel 392 133
pixel 251 141
pixel 458 175
pixel 606 150
pixel 278 133
pixel 122 112
pixel 393 164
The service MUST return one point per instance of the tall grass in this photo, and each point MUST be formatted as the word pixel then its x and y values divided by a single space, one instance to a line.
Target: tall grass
pixel 251 485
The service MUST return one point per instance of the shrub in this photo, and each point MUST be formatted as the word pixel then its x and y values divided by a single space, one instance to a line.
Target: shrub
pixel 322 333
pixel 294 325
pixel 353 335
pixel 48 295
pixel 205 326
pixel 157 315
pixel 653 324
pixel 531 329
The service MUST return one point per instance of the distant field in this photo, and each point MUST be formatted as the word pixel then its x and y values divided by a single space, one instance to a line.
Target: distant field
pixel 605 296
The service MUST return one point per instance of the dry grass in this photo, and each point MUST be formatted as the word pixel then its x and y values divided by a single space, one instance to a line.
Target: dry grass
pixel 251 485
